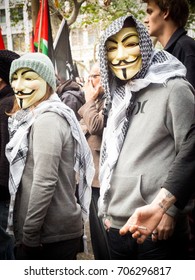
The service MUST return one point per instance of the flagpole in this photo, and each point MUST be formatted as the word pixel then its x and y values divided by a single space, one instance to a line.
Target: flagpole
pixel 40 25
pixel 59 32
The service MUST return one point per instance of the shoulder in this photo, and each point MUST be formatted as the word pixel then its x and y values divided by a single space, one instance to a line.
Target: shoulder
pixel 50 120
pixel 180 83
pixel 180 90
pixel 186 44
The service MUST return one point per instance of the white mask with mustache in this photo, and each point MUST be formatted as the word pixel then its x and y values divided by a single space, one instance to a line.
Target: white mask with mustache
pixel 28 86
pixel 123 53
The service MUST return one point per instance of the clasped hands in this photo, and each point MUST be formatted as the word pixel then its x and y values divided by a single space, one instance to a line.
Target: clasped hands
pixel 148 221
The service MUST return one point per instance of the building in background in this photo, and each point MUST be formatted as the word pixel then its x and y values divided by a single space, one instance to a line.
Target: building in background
pixel 15 24
pixel 84 47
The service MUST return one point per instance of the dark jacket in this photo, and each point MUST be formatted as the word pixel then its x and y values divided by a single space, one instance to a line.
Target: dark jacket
pixel 71 94
pixel 6 103
pixel 183 47
pixel 181 178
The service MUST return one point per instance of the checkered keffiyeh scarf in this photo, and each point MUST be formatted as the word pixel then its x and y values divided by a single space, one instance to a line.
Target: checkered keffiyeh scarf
pixel 16 151
pixel 157 67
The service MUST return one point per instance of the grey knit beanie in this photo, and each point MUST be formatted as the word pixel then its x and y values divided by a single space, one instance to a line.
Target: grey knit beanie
pixel 38 62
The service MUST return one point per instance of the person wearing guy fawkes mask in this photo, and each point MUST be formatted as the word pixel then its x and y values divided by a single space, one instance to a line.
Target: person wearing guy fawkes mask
pixel 47 151
pixel 149 108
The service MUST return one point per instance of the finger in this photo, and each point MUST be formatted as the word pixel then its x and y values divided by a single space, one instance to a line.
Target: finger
pixel 160 235
pixel 137 234
pixel 141 239
pixel 165 237
pixel 154 236
pixel 130 228
pixel 124 229
pixel 133 228
pixel 107 223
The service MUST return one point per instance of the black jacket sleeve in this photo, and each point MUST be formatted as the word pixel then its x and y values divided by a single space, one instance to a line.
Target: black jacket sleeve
pixel 181 177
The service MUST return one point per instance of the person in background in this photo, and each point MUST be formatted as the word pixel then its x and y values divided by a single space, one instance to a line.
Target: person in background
pixel 166 20
pixel 150 106
pixel 72 95
pixel 92 123
pixel 6 102
pixel 47 149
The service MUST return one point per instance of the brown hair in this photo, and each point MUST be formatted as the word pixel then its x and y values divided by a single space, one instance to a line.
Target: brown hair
pixel 15 108
pixel 178 9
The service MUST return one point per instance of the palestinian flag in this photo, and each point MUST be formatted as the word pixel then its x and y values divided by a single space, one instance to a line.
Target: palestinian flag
pixel 42 35
pixel 2 45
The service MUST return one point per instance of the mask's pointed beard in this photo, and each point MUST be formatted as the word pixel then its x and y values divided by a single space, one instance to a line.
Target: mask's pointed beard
pixel 21 102
pixel 124 73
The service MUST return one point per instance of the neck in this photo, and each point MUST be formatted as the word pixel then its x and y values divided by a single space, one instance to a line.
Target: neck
pixel 166 35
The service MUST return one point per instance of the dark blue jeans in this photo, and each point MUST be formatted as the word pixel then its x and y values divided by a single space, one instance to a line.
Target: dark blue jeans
pixel 126 248
pixel 6 241
pixel 6 246
pixel 62 250
pixel 98 233
pixel 4 209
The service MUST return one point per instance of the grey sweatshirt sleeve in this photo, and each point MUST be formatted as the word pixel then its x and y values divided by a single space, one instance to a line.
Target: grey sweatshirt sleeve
pixel 180 115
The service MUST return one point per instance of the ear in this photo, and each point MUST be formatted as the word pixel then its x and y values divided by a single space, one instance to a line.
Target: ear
pixel 165 14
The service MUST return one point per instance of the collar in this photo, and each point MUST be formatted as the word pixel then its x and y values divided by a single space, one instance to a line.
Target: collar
pixel 174 38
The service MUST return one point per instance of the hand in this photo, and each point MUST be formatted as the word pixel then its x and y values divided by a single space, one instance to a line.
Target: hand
pixel 165 228
pixel 91 92
pixel 107 224
pixel 143 221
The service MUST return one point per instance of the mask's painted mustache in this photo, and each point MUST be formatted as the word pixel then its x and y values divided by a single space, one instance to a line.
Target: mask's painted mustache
pixel 23 93
pixel 125 62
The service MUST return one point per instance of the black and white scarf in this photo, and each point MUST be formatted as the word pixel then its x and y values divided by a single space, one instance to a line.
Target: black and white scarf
pixel 16 151
pixel 158 66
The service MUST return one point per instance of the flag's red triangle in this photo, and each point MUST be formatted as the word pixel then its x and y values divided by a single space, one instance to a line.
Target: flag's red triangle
pixel 2 45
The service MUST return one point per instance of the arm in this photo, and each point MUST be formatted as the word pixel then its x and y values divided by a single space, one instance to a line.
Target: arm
pixel 179 120
pixel 47 149
pixel 181 176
